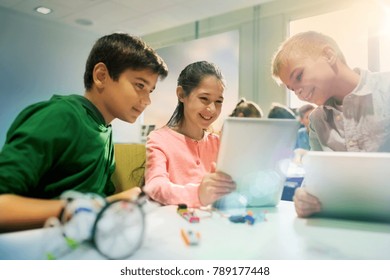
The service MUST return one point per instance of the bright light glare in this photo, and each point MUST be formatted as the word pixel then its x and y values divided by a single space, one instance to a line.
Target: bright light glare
pixel 43 10
pixel 386 22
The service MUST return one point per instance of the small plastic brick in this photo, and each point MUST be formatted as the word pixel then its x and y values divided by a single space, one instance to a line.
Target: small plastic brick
pixel 237 219
pixel 194 219
pixel 182 208
pixel 190 238
pixel 249 219
pixel 183 211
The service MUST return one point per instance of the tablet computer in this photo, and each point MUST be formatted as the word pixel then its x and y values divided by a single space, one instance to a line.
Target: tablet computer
pixel 256 153
pixel 351 185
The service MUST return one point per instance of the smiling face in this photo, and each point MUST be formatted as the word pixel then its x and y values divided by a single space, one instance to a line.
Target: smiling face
pixel 310 78
pixel 130 95
pixel 312 65
pixel 125 98
pixel 203 105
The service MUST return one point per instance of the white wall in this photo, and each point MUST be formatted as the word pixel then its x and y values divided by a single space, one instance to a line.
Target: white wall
pixel 39 58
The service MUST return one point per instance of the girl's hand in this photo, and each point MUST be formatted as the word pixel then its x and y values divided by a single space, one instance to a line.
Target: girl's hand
pixel 214 185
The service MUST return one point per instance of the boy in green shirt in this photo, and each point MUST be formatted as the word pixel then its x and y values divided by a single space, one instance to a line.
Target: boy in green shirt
pixel 66 143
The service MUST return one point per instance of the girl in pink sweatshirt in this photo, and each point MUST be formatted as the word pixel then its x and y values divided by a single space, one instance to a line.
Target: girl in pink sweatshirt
pixel 180 157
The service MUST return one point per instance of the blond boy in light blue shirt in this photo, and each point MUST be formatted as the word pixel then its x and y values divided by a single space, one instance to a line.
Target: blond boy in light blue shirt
pixel 353 112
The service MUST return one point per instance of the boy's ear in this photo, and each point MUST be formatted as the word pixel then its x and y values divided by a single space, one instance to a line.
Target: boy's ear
pixel 100 74
pixel 330 55
pixel 180 93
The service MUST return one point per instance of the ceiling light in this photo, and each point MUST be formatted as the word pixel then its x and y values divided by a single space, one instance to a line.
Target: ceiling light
pixel 43 10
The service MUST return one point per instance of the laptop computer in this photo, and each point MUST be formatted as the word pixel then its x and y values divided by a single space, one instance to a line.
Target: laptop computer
pixel 256 153
pixel 349 184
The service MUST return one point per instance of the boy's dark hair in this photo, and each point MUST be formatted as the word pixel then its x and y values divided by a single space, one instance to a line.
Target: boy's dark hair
pixel 248 109
pixel 278 111
pixel 190 77
pixel 120 52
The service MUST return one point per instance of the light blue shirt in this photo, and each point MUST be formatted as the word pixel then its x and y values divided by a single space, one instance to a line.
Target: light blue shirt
pixel 361 124
pixel 302 139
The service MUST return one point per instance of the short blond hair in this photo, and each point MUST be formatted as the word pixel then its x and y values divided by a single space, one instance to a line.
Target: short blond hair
pixel 302 45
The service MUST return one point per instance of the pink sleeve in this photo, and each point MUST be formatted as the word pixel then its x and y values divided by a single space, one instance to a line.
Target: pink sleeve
pixel 158 184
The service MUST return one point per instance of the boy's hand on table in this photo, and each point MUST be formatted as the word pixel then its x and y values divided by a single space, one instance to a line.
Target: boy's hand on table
pixel 305 203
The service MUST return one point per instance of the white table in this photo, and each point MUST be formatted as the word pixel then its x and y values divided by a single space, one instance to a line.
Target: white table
pixel 282 237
